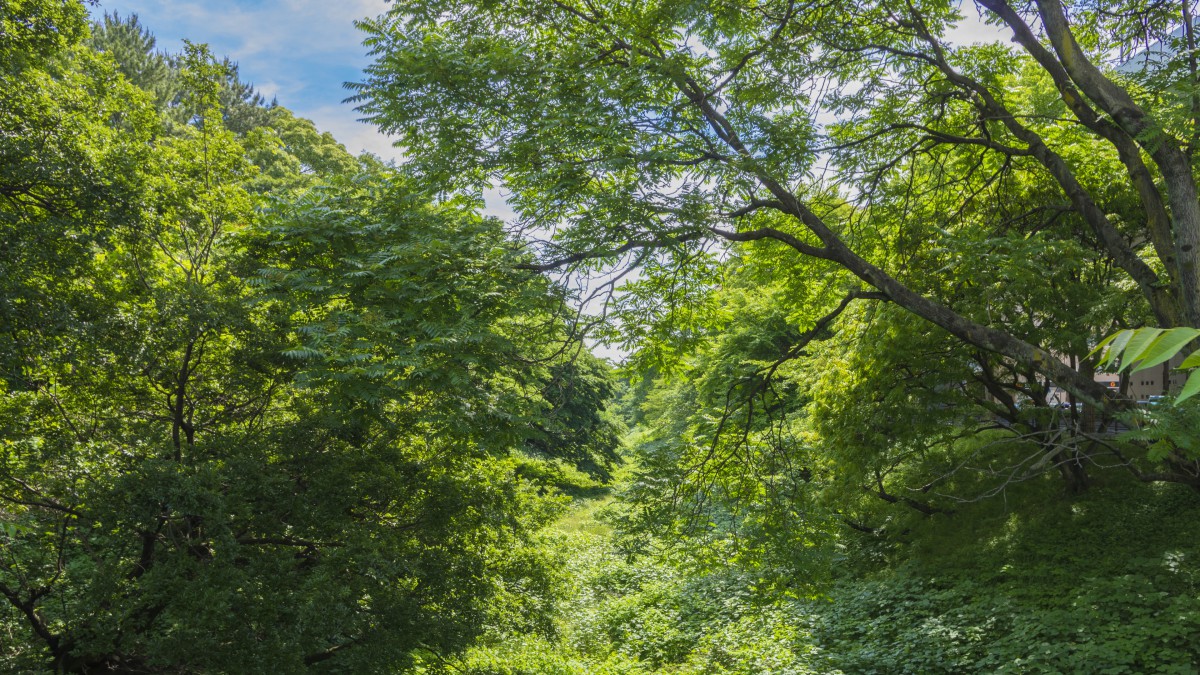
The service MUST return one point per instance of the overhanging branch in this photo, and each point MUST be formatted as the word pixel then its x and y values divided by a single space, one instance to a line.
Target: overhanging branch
pixel 595 254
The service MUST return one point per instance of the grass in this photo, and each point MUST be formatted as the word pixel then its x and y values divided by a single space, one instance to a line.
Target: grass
pixel 582 518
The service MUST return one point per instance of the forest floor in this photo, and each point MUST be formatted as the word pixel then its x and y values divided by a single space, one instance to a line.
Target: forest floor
pixel 1107 582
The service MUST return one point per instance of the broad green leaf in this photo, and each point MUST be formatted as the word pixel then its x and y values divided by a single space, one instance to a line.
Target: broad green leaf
pixel 1138 344
pixel 1104 343
pixel 1167 346
pixel 1191 361
pixel 1113 353
pixel 1190 389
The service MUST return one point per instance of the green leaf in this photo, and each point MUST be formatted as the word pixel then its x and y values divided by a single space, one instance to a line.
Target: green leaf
pixel 1113 353
pixel 1191 361
pixel 1190 389
pixel 1103 344
pixel 1167 346
pixel 303 353
pixel 1158 451
pixel 1142 339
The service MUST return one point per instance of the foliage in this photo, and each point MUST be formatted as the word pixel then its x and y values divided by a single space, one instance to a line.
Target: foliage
pixel 835 159
pixel 292 154
pixel 1143 348
pixel 576 426
pixel 75 137
pixel 720 459
pixel 266 405
pixel 987 590
pixel 235 432
pixel 1101 583
pixel 132 47
pixel 1002 591
pixel 32 30
pixel 644 614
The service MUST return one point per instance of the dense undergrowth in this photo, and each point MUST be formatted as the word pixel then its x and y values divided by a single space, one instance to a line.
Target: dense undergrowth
pixel 1103 583
pixel 1106 582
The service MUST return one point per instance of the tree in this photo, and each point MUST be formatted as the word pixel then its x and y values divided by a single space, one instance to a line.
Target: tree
pixel 132 46
pixel 34 30
pixel 642 119
pixel 233 436
pixel 292 154
pixel 75 135
pixel 861 138
pixel 576 426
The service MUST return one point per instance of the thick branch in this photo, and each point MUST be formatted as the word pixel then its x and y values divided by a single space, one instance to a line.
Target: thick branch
pixel 313 659
pixel 836 250
pixel 28 607
pixel 1081 199
pixel 1164 149
pixel 1157 220
pixel 771 233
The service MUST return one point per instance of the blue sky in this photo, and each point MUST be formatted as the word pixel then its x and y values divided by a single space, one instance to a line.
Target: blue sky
pixel 300 51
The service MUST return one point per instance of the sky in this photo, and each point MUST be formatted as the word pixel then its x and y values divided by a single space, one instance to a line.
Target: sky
pixel 302 51
pixel 299 51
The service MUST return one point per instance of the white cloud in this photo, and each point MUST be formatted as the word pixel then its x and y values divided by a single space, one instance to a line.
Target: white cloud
pixel 496 205
pixel 298 51
pixel 341 121
pixel 295 28
pixel 972 29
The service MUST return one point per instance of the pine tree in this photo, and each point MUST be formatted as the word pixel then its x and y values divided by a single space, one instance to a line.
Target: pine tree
pixel 132 47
